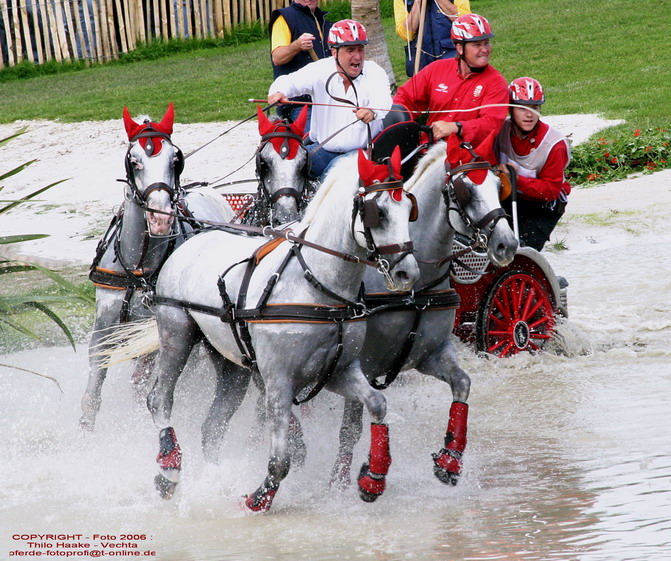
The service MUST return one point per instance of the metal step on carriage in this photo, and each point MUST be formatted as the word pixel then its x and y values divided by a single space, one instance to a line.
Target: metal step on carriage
pixel 503 311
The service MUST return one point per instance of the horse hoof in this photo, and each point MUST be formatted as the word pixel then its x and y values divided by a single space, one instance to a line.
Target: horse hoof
pixel 259 502
pixel 87 424
pixel 164 486
pixel 445 476
pixel 447 466
pixel 371 486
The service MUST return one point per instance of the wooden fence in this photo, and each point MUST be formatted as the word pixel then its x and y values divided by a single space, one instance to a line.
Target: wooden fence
pixel 98 30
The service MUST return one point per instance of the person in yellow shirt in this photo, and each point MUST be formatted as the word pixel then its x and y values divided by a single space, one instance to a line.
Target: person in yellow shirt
pixel 298 36
pixel 436 42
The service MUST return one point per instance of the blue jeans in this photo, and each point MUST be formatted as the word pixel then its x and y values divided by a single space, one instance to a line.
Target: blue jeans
pixel 322 160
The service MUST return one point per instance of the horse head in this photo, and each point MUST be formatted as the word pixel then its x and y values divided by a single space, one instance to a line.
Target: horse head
pixel 282 167
pixel 382 211
pixel 473 192
pixel 153 167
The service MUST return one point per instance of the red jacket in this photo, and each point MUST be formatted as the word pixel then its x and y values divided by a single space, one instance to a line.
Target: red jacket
pixel 440 87
pixel 549 182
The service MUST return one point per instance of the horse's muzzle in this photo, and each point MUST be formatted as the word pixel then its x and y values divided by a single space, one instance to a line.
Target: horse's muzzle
pixel 159 224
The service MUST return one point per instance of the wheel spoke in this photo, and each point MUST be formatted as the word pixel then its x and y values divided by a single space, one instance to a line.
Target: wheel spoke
pixel 492 348
pixel 540 321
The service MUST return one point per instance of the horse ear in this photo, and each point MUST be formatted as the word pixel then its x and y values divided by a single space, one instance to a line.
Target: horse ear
pixel 131 126
pixel 168 120
pixel 265 124
pixel 298 126
pixel 369 171
pixel 396 162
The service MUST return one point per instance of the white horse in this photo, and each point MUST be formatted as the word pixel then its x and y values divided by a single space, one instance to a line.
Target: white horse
pixel 156 216
pixel 302 297
pixel 416 333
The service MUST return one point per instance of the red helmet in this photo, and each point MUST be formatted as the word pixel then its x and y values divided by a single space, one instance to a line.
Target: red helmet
pixel 347 32
pixel 526 91
pixel 469 28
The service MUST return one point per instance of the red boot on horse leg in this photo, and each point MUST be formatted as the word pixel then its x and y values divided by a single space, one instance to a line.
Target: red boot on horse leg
pixel 372 475
pixel 447 463
pixel 169 461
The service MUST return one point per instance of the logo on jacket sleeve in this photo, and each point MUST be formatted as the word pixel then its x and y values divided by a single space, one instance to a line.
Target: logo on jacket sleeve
pixel 477 91
pixel 442 88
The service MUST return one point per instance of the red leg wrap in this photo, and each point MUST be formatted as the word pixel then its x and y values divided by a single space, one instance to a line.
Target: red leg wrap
pixel 448 460
pixel 169 454
pixel 380 458
pixel 372 476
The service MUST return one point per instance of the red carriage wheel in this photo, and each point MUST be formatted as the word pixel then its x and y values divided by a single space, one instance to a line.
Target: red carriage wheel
pixel 517 316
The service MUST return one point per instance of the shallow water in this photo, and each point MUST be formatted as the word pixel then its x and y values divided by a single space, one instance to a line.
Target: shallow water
pixel 568 457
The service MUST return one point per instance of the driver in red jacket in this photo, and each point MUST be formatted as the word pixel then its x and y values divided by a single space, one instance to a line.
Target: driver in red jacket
pixel 539 154
pixel 464 82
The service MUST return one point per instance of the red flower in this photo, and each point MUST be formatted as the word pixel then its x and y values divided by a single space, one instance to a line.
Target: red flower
pixel 662 161
pixel 637 132
pixel 613 160
pixel 606 154
pixel 602 140
pixel 647 148
pixel 651 165
pixel 592 176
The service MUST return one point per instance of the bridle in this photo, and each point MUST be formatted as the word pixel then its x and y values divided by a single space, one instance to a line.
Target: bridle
pixel 175 191
pixel 368 212
pixel 267 199
pixel 457 194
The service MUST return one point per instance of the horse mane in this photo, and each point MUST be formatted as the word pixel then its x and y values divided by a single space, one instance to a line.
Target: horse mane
pixel 435 153
pixel 344 173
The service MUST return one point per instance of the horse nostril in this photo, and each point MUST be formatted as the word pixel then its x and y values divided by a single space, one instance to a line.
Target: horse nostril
pixel 402 276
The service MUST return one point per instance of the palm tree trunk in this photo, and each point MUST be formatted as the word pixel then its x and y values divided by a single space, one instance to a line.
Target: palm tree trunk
pixel 368 13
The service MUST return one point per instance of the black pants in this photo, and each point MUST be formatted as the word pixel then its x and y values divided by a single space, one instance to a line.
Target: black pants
pixel 536 220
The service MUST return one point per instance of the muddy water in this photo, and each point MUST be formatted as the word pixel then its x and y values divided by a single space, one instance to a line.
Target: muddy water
pixel 568 456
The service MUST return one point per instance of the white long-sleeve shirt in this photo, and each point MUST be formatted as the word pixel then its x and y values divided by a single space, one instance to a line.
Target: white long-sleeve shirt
pixel 372 87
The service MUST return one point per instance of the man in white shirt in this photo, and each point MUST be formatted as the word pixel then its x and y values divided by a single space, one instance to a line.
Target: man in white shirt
pixel 359 89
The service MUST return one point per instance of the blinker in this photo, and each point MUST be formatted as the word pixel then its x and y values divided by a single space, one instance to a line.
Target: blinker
pixel 371 213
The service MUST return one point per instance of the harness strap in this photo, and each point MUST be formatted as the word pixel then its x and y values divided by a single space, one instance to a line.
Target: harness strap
pixel 326 373
pixel 399 361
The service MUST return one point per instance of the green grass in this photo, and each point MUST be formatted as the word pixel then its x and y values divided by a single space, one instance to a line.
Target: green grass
pixel 602 56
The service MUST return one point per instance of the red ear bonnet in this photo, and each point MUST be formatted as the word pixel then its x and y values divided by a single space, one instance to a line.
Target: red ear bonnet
pixel 298 126
pixel 265 124
pixel 165 127
pixel 285 146
pixel 370 172
pixel 456 155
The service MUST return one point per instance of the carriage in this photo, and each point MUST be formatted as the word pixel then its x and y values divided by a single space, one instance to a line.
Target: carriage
pixel 503 310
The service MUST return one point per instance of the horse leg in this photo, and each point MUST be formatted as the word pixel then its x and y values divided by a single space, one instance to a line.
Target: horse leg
pixel 108 310
pixel 297 447
pixel 231 386
pixel 141 375
pixel 177 335
pixel 279 397
pixel 352 384
pixel 350 433
pixel 443 365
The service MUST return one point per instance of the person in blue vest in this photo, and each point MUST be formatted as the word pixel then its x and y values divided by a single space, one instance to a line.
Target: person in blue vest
pixel 436 41
pixel 298 36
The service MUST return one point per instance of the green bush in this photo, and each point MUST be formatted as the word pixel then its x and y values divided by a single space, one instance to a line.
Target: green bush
pixel 619 153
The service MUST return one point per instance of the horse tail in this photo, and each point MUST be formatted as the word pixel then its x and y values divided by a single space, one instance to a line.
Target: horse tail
pixel 128 341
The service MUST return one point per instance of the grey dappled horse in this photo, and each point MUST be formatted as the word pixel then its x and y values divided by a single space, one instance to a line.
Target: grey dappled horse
pixel 466 200
pixel 282 172
pixel 191 295
pixel 139 240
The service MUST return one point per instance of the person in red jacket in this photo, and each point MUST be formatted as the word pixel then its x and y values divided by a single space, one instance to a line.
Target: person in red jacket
pixel 464 82
pixel 539 154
